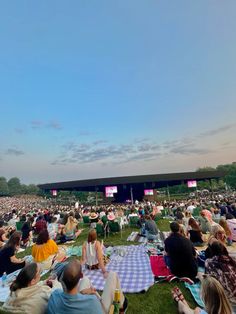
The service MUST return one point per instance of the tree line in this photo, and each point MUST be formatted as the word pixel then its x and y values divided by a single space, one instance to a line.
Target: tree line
pixel 14 187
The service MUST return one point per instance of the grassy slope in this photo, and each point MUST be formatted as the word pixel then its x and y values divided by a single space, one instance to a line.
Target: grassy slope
pixel 158 298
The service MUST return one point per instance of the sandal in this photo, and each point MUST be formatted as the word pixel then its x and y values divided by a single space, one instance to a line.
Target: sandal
pixel 175 297
pixel 179 294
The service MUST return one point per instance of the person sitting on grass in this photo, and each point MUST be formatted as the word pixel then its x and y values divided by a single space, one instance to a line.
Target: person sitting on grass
pixel 53 228
pixel 92 254
pixel 222 267
pixel 224 225
pixel 40 224
pixel 213 296
pixel 151 230
pixel 194 232
pixel 27 293
pixel 180 255
pixel 71 231
pixel 8 261
pixel 45 250
pixel 205 221
pixel 217 234
pixel 78 295
pixel 27 231
pixel 3 234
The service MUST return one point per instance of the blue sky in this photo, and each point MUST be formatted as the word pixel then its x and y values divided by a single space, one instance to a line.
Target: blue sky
pixel 104 88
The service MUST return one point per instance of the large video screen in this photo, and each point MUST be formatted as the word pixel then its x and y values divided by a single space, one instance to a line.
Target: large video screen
pixel 192 184
pixel 54 192
pixel 110 190
pixel 148 192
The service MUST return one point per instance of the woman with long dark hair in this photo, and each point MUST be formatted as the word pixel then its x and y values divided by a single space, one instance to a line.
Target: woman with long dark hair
pixel 8 261
pixel 195 232
pixel 27 293
pixel 222 267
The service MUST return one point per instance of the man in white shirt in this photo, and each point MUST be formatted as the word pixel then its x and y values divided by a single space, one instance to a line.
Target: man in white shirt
pixel 191 207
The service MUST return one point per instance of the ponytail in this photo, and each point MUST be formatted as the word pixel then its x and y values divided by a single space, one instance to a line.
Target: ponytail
pixel 24 277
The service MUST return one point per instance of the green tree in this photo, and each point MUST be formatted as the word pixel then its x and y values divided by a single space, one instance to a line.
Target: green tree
pixel 230 177
pixel 24 189
pixel 202 185
pixel 4 191
pixel 226 168
pixel 14 186
pixel 32 189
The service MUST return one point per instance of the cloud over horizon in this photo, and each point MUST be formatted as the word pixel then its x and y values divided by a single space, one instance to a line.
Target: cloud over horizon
pixel 39 124
pixel 14 152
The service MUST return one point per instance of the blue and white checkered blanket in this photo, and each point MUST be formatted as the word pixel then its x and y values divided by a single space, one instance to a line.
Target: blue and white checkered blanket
pixel 132 265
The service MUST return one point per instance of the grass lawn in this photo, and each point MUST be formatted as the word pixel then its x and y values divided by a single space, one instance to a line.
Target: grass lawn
pixel 158 298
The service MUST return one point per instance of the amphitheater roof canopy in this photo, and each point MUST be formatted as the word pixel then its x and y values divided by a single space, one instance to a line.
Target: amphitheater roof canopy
pixel 153 180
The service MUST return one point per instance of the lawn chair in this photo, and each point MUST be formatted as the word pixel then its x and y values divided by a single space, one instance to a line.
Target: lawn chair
pixel 104 220
pixel 100 229
pixel 86 220
pixel 114 226
pixel 133 221
pixel 19 225
pixel 157 217
pixel 196 212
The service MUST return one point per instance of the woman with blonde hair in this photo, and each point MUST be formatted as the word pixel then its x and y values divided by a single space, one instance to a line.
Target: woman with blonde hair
pixel 224 225
pixel 217 234
pixel 213 296
pixel 92 254
pixel 71 228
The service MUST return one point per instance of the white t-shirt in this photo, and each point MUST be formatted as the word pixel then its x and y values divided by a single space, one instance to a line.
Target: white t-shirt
pixel 191 208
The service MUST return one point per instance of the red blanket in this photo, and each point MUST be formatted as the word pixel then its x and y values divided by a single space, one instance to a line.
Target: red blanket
pixel 158 266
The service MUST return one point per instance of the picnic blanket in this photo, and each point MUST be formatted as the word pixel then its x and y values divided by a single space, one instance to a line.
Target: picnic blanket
pixel 135 237
pixel 158 266
pixel 74 251
pixel 195 291
pixel 132 265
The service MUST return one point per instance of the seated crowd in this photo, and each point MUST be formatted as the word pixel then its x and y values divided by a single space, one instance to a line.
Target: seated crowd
pixel 68 291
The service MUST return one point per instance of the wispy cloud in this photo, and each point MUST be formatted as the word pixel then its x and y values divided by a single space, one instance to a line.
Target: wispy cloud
pixel 141 149
pixel 14 152
pixel 218 130
pixel 144 157
pixel 99 142
pixel 105 153
pixel 19 130
pixel 148 147
pixel 39 124
pixel 36 124
pixel 189 150
pixel 54 125
pixel 85 133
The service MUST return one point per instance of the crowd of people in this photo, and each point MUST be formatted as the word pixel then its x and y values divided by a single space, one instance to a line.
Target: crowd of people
pixel 44 225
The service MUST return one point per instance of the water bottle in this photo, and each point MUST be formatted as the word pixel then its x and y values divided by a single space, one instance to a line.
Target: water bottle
pixel 4 279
